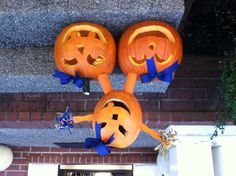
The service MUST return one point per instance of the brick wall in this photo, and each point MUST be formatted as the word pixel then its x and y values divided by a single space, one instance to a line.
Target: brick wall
pixel 190 99
pixel 25 155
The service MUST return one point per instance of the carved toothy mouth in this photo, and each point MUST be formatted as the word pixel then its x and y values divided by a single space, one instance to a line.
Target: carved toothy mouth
pixel 95 61
pixel 142 61
pixel 71 62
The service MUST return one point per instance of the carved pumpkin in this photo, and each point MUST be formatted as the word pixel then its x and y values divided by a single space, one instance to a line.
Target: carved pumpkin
pixel 86 48
pixel 120 113
pixel 145 40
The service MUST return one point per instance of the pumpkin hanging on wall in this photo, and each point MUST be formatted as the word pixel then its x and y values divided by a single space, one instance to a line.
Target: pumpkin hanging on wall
pixel 150 49
pixel 84 50
pixel 116 121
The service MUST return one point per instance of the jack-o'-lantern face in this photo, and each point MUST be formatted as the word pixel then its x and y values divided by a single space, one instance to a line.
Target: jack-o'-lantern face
pixel 86 48
pixel 119 112
pixel 149 39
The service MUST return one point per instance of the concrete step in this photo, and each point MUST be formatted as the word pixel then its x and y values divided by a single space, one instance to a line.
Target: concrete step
pixel 28 29
pixel 47 137
pixel 30 69
pixel 37 23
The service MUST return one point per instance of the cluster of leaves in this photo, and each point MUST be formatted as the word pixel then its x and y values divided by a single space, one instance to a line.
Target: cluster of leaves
pixel 210 27
pixel 228 91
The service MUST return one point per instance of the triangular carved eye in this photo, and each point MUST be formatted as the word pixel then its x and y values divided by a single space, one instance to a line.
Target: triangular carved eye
pixel 80 48
pixel 103 124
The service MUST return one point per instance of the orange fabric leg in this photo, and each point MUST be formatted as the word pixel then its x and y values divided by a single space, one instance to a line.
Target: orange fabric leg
pixel 105 83
pixel 86 118
pixel 130 82
pixel 151 132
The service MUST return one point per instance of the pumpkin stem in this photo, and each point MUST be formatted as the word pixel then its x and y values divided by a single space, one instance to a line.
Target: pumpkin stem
pixel 86 118
pixel 151 132
pixel 130 82
pixel 105 83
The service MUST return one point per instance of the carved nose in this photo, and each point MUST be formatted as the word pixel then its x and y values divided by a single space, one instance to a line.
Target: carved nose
pixel 80 48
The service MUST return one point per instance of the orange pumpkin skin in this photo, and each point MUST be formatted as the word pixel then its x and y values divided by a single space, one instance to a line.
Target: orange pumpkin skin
pixel 123 116
pixel 145 40
pixel 87 48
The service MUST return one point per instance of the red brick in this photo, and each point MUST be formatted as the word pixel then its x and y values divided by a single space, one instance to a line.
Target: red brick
pixel 181 83
pixel 141 149
pixel 19 161
pixel 151 116
pixel 2 173
pixel 205 105
pixel 78 106
pixel 78 150
pixel 146 95
pixel 56 149
pixel 40 149
pixel 187 94
pixel 106 159
pixel 206 83
pixel 211 116
pixel 17 97
pixel 151 124
pixel 11 116
pixel 164 116
pixel 212 93
pixel 90 105
pixel 46 159
pixel 75 96
pixel 16 154
pixel 38 97
pixel 202 64
pixel 24 167
pixel 149 105
pixel 16 173
pixel 52 96
pixel 61 106
pixel 177 105
pixel 197 73
pixel 24 116
pixel 181 116
pixel 6 97
pixel 2 116
pixel 24 149
pixel 4 106
pixel 24 154
pixel 36 116
pixel 28 106
pixel 198 116
pixel 13 167
pixel 49 116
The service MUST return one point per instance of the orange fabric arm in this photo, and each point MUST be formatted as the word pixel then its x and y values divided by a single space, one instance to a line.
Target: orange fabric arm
pixel 86 118
pixel 151 132
pixel 130 82
pixel 105 83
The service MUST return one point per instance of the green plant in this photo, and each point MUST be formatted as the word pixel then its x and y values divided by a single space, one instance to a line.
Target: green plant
pixel 227 90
